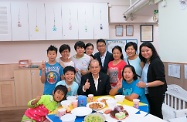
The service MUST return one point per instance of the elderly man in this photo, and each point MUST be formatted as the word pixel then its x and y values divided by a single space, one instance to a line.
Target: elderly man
pixel 95 82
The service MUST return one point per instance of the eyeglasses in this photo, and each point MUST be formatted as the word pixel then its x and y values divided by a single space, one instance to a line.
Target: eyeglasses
pixel 101 45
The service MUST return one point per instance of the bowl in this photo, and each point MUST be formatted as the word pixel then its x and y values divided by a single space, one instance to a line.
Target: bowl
pixel 68 118
pixel 71 98
pixel 119 98
pixel 111 103
pixel 65 103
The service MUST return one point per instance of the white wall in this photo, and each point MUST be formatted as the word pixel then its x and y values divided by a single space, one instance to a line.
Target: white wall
pixel 172 32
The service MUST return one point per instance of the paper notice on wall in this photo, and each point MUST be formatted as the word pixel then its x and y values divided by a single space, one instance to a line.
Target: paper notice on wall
pixel 174 70
pixel 185 71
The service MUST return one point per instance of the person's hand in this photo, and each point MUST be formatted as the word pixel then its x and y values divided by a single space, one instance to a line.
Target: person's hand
pixel 83 72
pixel 38 98
pixel 86 85
pixel 43 65
pixel 141 84
pixel 76 69
pixel 119 84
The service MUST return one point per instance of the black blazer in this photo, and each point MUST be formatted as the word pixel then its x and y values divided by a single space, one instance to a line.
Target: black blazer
pixel 156 72
pixel 108 58
pixel 103 87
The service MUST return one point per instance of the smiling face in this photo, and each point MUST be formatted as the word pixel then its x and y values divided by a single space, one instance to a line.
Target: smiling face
pixel 52 56
pixel 130 51
pixel 128 74
pixel 65 54
pixel 69 76
pixel 94 67
pixel 101 47
pixel 89 50
pixel 146 52
pixel 80 51
pixel 116 54
pixel 58 95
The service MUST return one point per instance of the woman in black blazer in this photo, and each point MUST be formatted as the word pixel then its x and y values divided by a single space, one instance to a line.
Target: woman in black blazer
pixel 153 78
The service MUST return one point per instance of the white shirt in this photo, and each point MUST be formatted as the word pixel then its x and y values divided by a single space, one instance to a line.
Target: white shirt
pixel 96 82
pixel 103 58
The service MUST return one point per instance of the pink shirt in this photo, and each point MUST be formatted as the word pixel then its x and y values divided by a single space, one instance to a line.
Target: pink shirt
pixel 115 72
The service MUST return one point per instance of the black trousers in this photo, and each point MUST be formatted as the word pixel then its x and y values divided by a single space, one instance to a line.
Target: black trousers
pixel 155 104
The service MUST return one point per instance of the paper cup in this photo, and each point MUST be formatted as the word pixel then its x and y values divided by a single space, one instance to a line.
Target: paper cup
pixel 61 112
pixel 136 103
pixel 75 103
pixel 90 97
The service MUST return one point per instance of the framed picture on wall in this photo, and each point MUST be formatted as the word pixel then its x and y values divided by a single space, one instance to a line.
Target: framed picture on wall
pixel 129 30
pixel 119 30
pixel 146 33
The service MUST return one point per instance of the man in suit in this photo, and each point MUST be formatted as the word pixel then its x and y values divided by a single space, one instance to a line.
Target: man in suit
pixel 103 56
pixel 95 82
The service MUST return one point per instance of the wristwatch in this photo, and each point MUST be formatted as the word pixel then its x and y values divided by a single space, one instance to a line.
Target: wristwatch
pixel 146 84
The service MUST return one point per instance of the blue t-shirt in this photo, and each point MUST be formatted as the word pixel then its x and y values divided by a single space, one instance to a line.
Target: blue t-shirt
pixel 53 75
pixel 74 87
pixel 130 88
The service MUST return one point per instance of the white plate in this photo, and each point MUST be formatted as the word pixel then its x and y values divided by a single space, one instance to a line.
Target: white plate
pixel 105 97
pixel 81 111
pixel 88 105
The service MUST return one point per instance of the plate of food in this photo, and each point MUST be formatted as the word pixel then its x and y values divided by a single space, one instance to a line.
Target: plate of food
pixel 81 111
pixel 119 113
pixel 96 105
pixel 103 99
pixel 95 117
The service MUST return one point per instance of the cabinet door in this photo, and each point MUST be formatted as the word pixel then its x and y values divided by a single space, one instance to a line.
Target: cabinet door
pixel 101 25
pixel 37 85
pixel 85 20
pixel 53 20
pixel 70 22
pixel 7 93
pixel 23 86
pixel 36 21
pixel 20 26
pixel 5 21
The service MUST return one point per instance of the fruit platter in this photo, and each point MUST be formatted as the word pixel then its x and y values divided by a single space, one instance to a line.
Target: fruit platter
pixel 118 112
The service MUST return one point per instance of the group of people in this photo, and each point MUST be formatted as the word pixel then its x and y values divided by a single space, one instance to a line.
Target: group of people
pixel 135 76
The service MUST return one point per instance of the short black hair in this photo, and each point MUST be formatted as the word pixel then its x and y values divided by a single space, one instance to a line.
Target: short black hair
pixel 101 40
pixel 131 44
pixel 69 68
pixel 64 47
pixel 52 48
pixel 80 44
pixel 89 44
pixel 133 71
pixel 63 89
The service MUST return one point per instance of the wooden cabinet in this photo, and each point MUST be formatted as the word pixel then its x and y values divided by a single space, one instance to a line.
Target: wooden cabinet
pixel 7 93
pixel 27 85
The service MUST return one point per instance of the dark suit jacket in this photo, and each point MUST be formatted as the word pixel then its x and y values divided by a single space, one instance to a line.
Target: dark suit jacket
pixel 108 58
pixel 103 87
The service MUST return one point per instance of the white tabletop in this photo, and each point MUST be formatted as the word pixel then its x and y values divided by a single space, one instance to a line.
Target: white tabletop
pixel 133 117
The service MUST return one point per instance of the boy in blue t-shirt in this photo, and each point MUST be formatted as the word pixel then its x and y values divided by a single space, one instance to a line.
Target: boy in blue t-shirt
pixel 69 75
pixel 51 72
